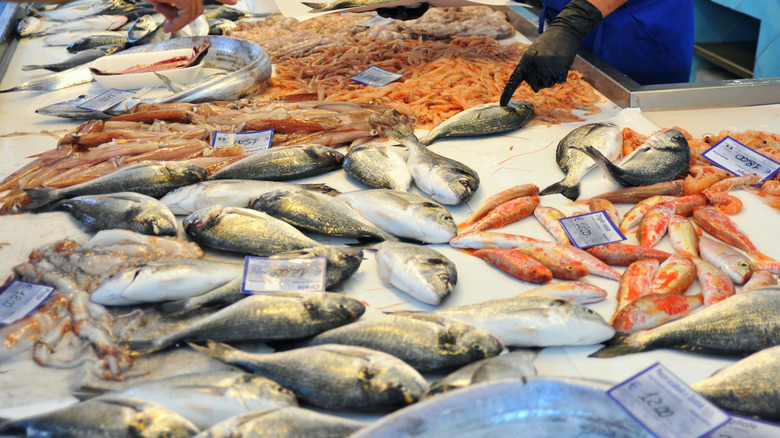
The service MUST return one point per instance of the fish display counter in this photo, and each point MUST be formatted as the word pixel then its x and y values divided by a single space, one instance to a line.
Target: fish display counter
pixel 518 157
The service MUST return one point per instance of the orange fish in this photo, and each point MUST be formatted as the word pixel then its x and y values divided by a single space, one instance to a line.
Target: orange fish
pixel 654 225
pixel 623 254
pixel 508 212
pixel 653 310
pixel 634 216
pixel 674 276
pixel 487 239
pixel 607 207
pixel 758 280
pixel 549 217
pixel 721 226
pixel 767 265
pixel 684 205
pixel 630 195
pixel 682 234
pixel 575 291
pixel 560 265
pixel 635 281
pixel 516 264
pixel 498 199
pixel 594 265
pixel 715 284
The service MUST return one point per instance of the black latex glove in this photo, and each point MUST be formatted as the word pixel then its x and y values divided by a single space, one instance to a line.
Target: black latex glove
pixel 548 59
pixel 404 12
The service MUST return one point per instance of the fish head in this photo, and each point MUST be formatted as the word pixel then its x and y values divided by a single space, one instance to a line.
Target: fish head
pixel 264 389
pixel 204 218
pixel 324 154
pixel 475 342
pixel 671 139
pixel 186 172
pixel 738 267
pixel 155 221
pixel 390 375
pixel 436 223
pixel 347 309
pixel 522 108
pixel 440 278
pixel 155 420
pixel 112 290
pixel 584 323
pixel 141 27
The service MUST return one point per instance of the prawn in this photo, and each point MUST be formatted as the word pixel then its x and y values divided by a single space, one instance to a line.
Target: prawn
pixel 718 195
pixel 701 178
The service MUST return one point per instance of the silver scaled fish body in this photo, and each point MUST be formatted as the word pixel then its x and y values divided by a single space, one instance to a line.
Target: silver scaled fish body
pixel 513 365
pixel 317 213
pixel 423 273
pixel 144 30
pixel 606 137
pixel 332 376
pixel 287 421
pixel 80 58
pixel 124 210
pixel 662 157
pixel 485 119
pixel 736 265
pixel 96 40
pixel 378 166
pixel 283 163
pixel 244 231
pixel 404 214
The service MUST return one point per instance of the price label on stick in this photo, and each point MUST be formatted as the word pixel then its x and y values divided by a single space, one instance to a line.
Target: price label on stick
pixel 20 298
pixel 253 141
pixel 666 406
pixel 263 274
pixel 591 229
pixel 106 100
pixel 740 159
pixel 376 76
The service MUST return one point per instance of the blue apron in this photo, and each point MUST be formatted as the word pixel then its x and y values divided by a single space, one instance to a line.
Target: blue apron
pixel 651 41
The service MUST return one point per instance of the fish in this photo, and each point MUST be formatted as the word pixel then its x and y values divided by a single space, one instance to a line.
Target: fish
pixel 144 30
pixel 96 40
pixel 605 137
pixel 488 239
pixel 164 280
pixel 736 265
pixel 262 318
pixel 57 81
pixel 78 59
pixel 378 166
pixel 635 280
pixel 283 163
pixel 673 276
pixel 212 12
pixel 654 225
pixel 538 321
pixel 154 178
pixel 31 25
pixel 715 284
pixel 221 26
pixel 124 210
pixel 724 228
pixel 741 325
pixel 285 421
pixel 427 342
pixel 314 212
pixel 749 386
pixel 195 58
pixel 516 264
pixel 576 291
pixel 422 272
pixel 509 212
pixel 684 205
pixel 594 265
pixel 662 157
pixel 561 265
pixel 118 416
pixel 632 195
pixel 635 215
pixel 542 406
pixel 758 280
pixel 228 193
pixel 447 181
pixel 649 311
pixel 403 214
pixel 486 119
pixel 623 254
pixel 76 10
pixel 332 376
pixel 550 218
pixel 513 365
pixel 341 261
pixel 343 4
pixel 596 204
pixel 88 23
pixel 205 399
pixel 497 199
pixel 772 266
pixel 244 231
pixel 682 235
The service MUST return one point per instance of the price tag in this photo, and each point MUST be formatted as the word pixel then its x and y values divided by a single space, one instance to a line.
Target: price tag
pixel 591 229
pixel 376 76
pixel 106 100
pixel 253 141
pixel 262 274
pixel 666 406
pixel 376 20
pixel 740 159
pixel 20 298
pixel 744 427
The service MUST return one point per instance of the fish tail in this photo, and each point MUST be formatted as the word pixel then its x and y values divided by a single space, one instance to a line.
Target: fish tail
pixel 41 196
pixel 399 131
pixel 143 347
pixel 87 392
pixel 321 188
pixel 620 344
pixel 316 7
pixel 606 166
pixel 176 308
pixel 568 190
pixel 32 67
pixel 761 257
pixel 214 349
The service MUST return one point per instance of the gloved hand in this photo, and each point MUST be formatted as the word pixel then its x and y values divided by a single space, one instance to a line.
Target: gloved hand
pixel 548 59
pixel 404 12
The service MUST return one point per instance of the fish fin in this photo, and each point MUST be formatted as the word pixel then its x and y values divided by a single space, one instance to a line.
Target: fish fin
pixel 32 67
pixel 761 257
pixel 86 392
pixel 619 345
pixel 608 167
pixel 41 196
pixel 569 191
pixel 170 84
pixel 402 312
pixel 213 349
pixel 321 188
pixel 316 7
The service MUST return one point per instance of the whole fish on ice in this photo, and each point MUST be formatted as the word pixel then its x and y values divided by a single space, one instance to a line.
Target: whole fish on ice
pixel 485 119
pixel 283 163
pixel 125 210
pixel 378 166
pixel 422 272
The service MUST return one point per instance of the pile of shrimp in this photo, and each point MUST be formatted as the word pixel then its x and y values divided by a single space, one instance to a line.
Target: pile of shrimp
pixel 440 79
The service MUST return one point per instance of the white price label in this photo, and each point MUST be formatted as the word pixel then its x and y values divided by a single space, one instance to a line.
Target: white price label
pixel 20 298
pixel 253 141
pixel 740 159
pixel 745 427
pixel 262 274
pixel 106 100
pixel 666 406
pixel 591 229
pixel 376 20
pixel 376 76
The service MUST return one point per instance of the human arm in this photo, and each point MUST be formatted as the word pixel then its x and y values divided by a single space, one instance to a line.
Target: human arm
pixel 180 13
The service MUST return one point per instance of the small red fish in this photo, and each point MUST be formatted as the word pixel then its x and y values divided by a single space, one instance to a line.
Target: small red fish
pixel 758 280
pixel 623 254
pixel 560 265
pixel 575 291
pixel 682 234
pixel 674 276
pixel 632 195
pixel 653 310
pixel 654 225
pixel 634 216
pixel 508 212
pixel 550 218
pixel 499 198
pixel 721 226
pixel 767 265
pixel 607 207
pixel 635 281
pixel 516 264
pixel 487 239
pixel 715 284
pixel 684 205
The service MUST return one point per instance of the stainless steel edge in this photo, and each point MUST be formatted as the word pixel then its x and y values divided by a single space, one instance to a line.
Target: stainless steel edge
pixel 9 20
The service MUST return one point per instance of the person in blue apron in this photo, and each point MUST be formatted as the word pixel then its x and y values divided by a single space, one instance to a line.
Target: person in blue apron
pixel 651 41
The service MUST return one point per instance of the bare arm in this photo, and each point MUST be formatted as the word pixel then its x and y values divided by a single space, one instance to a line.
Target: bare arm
pixel 607 6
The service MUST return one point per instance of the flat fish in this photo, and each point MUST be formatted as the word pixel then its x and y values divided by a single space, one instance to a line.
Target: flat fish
pixel 514 365
pixel 421 272
pixel 378 166
pixel 125 210
pixel 283 163
pixel 662 157
pixel 605 137
pixel 287 421
pixel 485 119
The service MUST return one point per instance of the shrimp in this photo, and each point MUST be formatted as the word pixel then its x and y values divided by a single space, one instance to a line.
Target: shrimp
pixel 771 187
pixel 718 195
pixel 702 178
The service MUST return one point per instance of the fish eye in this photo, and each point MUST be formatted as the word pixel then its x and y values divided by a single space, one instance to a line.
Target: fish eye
pixel 744 265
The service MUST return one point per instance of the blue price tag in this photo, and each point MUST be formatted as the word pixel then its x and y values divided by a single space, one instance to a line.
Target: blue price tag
pixel 746 427
pixel 740 159
pixel 376 76
pixel 591 229
pixel 20 299
pixel 253 141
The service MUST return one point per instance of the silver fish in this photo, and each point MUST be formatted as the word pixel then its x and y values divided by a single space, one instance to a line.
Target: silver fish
pixel 208 398
pixel 427 342
pixel 124 210
pixel 283 163
pixel 317 213
pixel 150 178
pixel 212 12
pixel 750 386
pixel 264 317
pixel 228 193
pixel 378 166
pixel 736 265
pixel 540 407
pixel 403 214
pixel 117 416
pixel 30 25
pixel 78 59
pixel 534 321
pixel 332 376
pixel 485 119
pixel 244 231
pixel 56 81
pixel 447 181
pixel 69 12
pixel 662 157
pixel 740 325
pixel 95 40
pixel 606 137
pixel 422 272
pixel 95 22
pixel 221 26
pixel 516 364
pixel 165 280
pixel 343 4
pixel 287 421
pixel 145 30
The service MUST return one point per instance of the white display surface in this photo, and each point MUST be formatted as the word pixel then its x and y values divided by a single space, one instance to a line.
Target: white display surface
pixel 523 156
